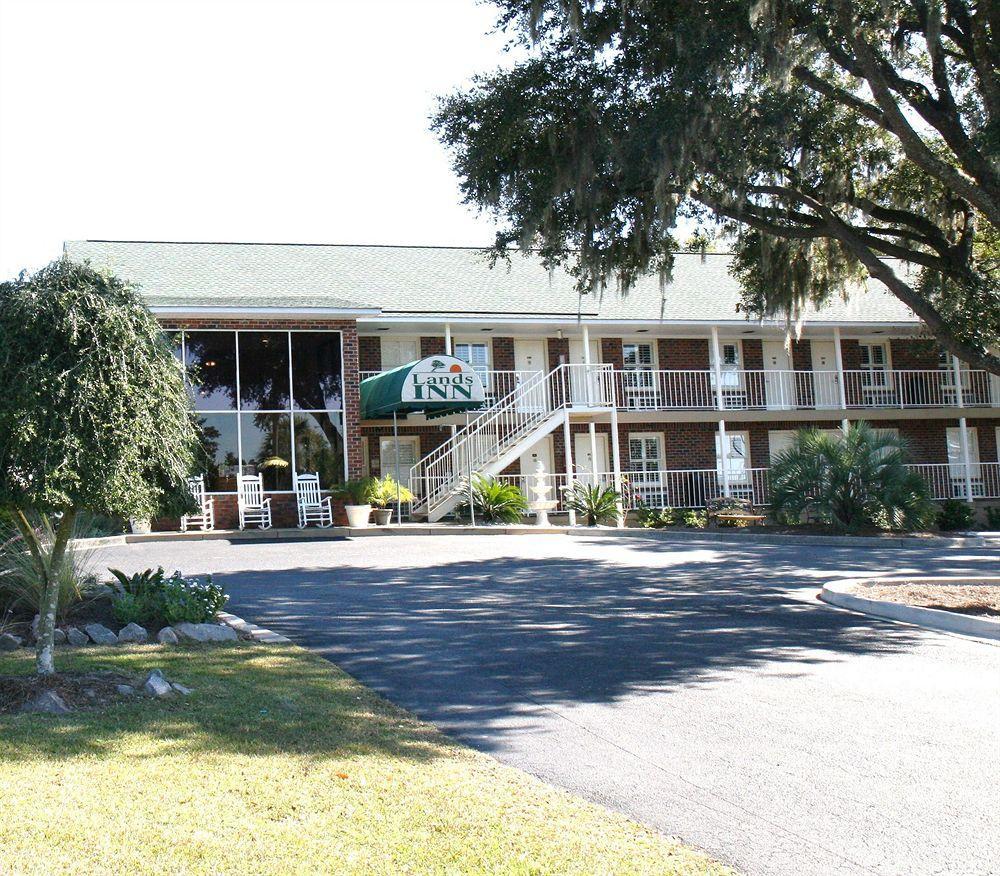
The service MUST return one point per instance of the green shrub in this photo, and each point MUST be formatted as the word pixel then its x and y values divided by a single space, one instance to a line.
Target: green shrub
pixel 955 514
pixel 694 519
pixel 597 503
pixel 993 517
pixel 494 501
pixel 361 491
pixel 666 517
pixel 852 481
pixel 150 598
pixel 188 600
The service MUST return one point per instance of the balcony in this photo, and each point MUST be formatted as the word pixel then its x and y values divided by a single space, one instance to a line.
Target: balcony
pixel 760 390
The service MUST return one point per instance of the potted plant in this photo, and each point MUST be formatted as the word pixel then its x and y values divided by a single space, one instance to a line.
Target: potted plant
pixel 387 491
pixel 357 495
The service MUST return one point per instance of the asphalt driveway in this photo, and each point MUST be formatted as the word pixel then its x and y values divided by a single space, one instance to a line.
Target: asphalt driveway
pixel 697 686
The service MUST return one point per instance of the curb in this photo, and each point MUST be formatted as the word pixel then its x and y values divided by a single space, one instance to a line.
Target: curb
pixel 258 634
pixel 839 593
pixel 341 532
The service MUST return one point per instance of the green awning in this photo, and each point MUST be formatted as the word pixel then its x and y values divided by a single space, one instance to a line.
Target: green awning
pixel 435 386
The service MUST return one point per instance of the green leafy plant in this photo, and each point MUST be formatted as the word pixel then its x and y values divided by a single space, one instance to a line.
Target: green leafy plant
pixel 597 503
pixel 851 482
pixel 23 588
pixel 694 519
pixel 651 518
pixel 386 492
pixel 360 491
pixel 138 598
pixel 955 514
pixel 494 501
pixel 190 600
pixel 993 517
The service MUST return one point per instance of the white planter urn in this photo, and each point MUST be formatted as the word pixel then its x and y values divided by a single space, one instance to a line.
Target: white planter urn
pixel 140 527
pixel 357 515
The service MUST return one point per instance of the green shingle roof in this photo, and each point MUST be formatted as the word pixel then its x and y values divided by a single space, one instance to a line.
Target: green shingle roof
pixel 416 280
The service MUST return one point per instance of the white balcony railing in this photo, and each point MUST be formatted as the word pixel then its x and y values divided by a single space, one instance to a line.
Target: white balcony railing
pixel 694 488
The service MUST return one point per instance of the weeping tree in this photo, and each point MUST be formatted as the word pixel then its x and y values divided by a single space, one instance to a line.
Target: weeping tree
pixel 93 415
pixel 831 141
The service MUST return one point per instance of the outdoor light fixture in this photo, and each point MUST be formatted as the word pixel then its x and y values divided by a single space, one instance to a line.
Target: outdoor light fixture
pixel 486 330
pixel 641 331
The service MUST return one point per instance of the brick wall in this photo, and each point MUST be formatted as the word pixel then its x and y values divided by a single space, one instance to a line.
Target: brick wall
pixel 503 354
pixel 913 353
pixel 558 350
pixel 431 347
pixel 753 354
pixel 802 355
pixel 683 354
pixel 370 353
pixel 611 352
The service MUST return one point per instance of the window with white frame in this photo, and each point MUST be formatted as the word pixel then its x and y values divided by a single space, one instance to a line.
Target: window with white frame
pixel 476 354
pixel 637 357
pixel 730 363
pixel 737 456
pixel 409 454
pixel 874 365
pixel 956 461
pixel 266 402
pixel 638 380
pixel 645 451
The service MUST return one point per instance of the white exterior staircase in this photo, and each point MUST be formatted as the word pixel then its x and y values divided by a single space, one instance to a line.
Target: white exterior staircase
pixel 503 432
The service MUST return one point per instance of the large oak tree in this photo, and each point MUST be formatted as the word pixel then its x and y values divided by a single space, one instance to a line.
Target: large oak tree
pixel 832 140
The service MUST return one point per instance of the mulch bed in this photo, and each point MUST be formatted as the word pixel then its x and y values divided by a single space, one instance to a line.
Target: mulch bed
pixel 982 600
pixel 80 691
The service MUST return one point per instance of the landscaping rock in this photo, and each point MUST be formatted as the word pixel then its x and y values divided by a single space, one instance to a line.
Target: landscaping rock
pixel 204 633
pixel 156 685
pixel 77 637
pixel 58 637
pixel 126 690
pixel 101 634
pixel 133 633
pixel 181 689
pixel 10 642
pixel 47 702
pixel 166 636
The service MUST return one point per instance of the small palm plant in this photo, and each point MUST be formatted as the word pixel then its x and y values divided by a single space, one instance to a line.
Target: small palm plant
pixel 494 501
pixel 851 482
pixel 386 492
pixel 597 503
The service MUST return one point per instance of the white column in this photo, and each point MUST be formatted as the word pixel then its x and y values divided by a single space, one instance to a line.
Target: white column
pixel 568 450
pixel 724 457
pixel 586 365
pixel 839 357
pixel 616 463
pixel 447 339
pixel 963 429
pixel 717 365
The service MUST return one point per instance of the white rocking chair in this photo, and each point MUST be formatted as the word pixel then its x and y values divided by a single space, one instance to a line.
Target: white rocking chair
pixel 254 508
pixel 313 508
pixel 205 518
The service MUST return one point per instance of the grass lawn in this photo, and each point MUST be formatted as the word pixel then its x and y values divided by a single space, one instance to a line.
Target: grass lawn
pixel 280 763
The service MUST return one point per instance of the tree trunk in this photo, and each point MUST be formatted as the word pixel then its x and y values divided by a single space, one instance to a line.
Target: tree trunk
pixel 45 654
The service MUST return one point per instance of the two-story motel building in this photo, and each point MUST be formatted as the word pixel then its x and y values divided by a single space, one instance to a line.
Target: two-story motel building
pixel 670 387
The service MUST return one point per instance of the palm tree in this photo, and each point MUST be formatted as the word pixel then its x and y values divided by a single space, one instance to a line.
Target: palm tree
pixel 852 481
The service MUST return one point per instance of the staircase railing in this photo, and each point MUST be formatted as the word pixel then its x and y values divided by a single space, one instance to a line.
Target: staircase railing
pixel 498 429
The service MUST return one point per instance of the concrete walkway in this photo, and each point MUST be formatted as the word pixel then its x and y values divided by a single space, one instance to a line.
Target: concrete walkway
pixel 698 687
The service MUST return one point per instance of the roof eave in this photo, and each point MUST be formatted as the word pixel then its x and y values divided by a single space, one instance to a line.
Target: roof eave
pixel 235 311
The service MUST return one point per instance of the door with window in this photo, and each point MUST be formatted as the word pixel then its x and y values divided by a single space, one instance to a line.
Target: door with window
pixel 731 375
pixel 639 377
pixel 779 383
pixel 399 351
pixel 541 452
pixel 409 453
pixel 736 462
pixel 645 462
pixel 956 462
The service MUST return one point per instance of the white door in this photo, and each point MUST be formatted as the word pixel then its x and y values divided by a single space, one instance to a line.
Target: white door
pixel 585 388
pixel 529 362
pixel 826 385
pixel 409 453
pixel 399 351
pixel 779 382
pixel 583 457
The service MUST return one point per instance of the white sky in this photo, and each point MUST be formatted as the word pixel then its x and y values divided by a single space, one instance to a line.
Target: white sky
pixel 245 120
